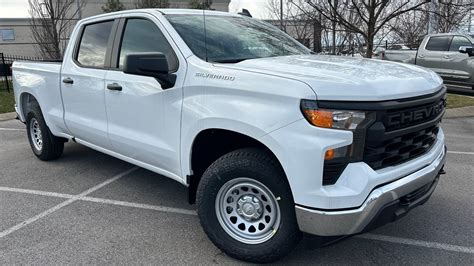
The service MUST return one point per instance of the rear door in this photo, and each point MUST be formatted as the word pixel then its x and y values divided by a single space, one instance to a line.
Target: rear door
pixel 432 56
pixel 83 86
pixel 460 66
pixel 143 118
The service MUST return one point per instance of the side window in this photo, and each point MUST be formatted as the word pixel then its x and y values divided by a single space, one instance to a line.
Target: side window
pixel 93 46
pixel 438 43
pixel 459 41
pixel 141 36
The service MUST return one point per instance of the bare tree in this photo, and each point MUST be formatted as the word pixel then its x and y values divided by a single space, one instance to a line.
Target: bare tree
pixel 112 5
pixel 295 22
pixel 366 17
pixel 152 3
pixel 200 4
pixel 450 15
pixel 410 28
pixel 51 23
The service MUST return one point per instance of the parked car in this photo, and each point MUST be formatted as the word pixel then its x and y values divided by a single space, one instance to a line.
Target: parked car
pixel 446 53
pixel 270 140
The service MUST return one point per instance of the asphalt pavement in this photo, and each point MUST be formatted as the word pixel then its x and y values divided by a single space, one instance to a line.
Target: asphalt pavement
pixel 90 208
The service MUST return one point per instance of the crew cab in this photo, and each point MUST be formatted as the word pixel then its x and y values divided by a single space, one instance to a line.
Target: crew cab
pixel 270 139
pixel 450 55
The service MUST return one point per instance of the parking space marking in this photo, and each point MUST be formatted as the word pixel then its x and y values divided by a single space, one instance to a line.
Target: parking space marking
pixel 461 152
pixel 11 129
pixel 419 243
pixel 83 197
pixel 141 206
pixel 65 203
pixel 36 192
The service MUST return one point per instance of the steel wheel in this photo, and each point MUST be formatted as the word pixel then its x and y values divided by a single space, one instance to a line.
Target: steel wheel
pixel 247 210
pixel 35 133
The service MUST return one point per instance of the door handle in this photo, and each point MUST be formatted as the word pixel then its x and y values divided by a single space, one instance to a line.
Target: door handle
pixel 114 87
pixel 68 80
pixel 421 56
pixel 446 57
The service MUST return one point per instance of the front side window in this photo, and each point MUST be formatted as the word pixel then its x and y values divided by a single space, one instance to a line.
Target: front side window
pixel 93 46
pixel 143 36
pixel 229 39
pixel 459 41
pixel 438 43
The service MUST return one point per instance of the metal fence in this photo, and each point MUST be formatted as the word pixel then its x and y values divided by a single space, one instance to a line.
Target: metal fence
pixel 6 62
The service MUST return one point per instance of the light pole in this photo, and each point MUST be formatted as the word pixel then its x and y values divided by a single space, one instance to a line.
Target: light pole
pixel 281 14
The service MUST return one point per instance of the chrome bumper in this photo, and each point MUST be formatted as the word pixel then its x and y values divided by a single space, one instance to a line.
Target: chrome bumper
pixel 353 221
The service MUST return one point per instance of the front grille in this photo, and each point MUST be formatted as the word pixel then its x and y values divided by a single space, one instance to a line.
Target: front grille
pixel 401 134
pixel 401 148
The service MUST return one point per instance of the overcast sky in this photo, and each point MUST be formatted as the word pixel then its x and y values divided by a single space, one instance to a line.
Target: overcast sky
pixel 19 8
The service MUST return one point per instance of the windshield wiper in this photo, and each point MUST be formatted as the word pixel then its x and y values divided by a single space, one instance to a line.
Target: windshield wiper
pixel 231 61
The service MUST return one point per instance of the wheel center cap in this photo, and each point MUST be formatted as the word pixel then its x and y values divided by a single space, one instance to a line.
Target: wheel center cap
pixel 249 207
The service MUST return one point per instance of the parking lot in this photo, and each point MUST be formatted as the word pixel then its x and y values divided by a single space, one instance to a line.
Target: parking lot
pixel 90 208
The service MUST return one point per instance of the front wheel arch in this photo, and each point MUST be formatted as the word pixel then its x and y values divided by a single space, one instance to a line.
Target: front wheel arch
pixel 211 144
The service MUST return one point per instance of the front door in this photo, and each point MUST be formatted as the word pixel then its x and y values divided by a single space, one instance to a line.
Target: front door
pixel 460 66
pixel 144 120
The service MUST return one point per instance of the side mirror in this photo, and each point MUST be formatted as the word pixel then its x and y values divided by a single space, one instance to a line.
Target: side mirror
pixel 466 50
pixel 150 65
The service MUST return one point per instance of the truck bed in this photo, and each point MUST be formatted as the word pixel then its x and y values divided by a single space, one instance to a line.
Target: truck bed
pixel 403 56
pixel 31 78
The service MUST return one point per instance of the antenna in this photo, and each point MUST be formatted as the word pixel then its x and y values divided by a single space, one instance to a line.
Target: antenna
pixel 205 33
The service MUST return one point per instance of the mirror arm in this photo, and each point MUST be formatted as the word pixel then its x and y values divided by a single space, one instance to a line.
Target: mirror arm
pixel 166 80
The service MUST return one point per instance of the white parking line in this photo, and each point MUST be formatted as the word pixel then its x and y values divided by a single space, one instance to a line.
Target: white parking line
pixel 11 129
pixel 461 152
pixel 83 197
pixel 63 204
pixel 141 206
pixel 419 243
pixel 36 192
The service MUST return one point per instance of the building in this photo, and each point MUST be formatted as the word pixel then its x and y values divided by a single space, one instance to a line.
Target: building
pixel 16 37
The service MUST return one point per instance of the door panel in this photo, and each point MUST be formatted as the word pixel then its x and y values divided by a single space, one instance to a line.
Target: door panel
pixel 144 121
pixel 432 56
pixel 460 66
pixel 83 86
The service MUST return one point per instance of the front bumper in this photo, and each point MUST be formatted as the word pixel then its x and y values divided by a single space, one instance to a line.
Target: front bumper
pixel 384 204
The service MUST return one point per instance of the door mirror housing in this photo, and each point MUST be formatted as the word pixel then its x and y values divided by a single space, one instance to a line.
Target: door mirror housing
pixel 150 65
pixel 466 50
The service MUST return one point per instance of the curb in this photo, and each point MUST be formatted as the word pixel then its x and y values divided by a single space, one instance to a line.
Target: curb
pixel 7 116
pixel 460 112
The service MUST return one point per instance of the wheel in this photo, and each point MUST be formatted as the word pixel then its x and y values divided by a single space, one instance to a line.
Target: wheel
pixel 246 207
pixel 44 144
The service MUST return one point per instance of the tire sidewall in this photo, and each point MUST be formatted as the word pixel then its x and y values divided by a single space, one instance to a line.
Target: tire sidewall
pixel 273 178
pixel 39 119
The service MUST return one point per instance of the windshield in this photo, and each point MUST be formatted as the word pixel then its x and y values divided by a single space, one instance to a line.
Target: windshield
pixel 233 39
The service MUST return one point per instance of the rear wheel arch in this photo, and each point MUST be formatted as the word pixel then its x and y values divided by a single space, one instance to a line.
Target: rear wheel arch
pixel 211 144
pixel 27 102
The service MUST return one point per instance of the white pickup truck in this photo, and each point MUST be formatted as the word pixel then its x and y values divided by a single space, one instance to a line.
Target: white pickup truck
pixel 271 140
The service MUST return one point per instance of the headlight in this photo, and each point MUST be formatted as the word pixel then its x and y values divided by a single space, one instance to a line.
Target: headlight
pixel 338 119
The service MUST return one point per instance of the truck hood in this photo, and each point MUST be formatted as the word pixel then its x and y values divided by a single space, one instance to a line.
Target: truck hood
pixel 348 78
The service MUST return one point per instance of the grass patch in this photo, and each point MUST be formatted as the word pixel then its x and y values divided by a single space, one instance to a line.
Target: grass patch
pixel 456 101
pixel 7 102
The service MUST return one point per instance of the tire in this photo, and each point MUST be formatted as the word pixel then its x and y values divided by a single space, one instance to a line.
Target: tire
pixel 44 144
pixel 221 195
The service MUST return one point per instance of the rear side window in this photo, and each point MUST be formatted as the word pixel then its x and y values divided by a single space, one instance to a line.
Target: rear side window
pixel 93 46
pixel 459 41
pixel 438 43
pixel 143 36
